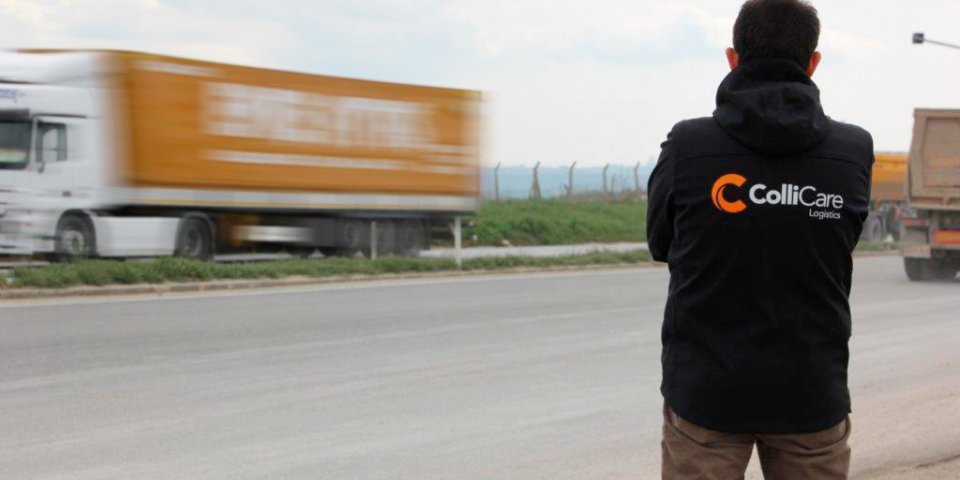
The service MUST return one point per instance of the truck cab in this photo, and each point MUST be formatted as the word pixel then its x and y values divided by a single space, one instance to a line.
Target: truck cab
pixel 47 166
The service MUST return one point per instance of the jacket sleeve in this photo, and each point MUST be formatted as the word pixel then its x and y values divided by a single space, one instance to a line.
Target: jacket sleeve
pixel 660 208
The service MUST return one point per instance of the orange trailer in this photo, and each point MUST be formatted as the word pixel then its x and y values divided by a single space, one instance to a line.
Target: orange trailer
pixel 205 125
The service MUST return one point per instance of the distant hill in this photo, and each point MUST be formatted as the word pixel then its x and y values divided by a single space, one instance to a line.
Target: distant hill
pixel 515 180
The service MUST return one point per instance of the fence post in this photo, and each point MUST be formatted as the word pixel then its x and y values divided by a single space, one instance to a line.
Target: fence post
pixel 636 180
pixel 496 183
pixel 373 240
pixel 535 184
pixel 606 191
pixel 458 242
pixel 569 186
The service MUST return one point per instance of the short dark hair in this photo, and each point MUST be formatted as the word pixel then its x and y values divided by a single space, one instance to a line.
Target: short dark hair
pixel 787 29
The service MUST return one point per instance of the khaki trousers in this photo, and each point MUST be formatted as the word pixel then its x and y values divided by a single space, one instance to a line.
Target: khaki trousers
pixel 691 452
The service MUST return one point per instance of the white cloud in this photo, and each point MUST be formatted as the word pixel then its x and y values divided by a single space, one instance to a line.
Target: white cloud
pixel 571 26
pixel 850 46
pixel 592 81
pixel 140 25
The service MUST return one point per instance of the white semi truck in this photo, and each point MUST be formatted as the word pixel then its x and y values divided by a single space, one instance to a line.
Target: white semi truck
pixel 121 154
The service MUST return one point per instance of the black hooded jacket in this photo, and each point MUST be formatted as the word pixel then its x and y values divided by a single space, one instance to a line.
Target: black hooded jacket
pixel 757 211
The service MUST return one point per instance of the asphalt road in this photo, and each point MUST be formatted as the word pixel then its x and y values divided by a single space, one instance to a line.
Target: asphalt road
pixel 549 376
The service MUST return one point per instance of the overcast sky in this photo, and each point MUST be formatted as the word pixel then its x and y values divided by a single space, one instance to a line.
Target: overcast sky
pixel 594 81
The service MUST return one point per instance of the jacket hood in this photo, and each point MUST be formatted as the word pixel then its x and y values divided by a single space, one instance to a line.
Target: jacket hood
pixel 771 106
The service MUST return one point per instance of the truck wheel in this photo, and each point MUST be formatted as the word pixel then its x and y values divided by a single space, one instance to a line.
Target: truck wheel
pixel 75 239
pixel 351 237
pixel 386 238
pixel 194 240
pixel 915 270
pixel 873 230
pixel 944 272
pixel 923 270
pixel 410 238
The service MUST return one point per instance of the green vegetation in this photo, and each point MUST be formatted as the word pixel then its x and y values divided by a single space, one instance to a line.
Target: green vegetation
pixel 106 272
pixel 561 222
pixel 557 222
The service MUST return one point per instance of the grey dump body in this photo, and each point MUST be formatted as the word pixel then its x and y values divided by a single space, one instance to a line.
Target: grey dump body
pixel 931 236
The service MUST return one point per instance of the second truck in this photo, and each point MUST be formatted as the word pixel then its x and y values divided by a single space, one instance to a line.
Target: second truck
pixel 930 240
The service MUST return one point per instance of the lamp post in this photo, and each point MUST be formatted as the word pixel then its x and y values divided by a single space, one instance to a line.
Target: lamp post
pixel 919 38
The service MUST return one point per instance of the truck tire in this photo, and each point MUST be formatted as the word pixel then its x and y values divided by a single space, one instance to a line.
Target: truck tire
pixel 945 272
pixel 914 269
pixel 410 238
pixel 924 270
pixel 873 230
pixel 351 238
pixel 194 239
pixel 386 239
pixel 75 238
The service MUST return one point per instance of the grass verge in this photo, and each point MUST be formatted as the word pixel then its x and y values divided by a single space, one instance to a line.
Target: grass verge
pixel 562 222
pixel 109 272
pixel 557 222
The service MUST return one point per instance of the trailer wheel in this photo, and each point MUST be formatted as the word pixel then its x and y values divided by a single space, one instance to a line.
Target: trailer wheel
pixel 350 239
pixel 410 238
pixel 75 238
pixel 386 239
pixel 923 270
pixel 194 239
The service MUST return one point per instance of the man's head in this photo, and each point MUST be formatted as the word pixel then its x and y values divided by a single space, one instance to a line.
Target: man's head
pixel 787 29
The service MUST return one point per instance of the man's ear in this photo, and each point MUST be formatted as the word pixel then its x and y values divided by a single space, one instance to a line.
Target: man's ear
pixel 814 62
pixel 733 59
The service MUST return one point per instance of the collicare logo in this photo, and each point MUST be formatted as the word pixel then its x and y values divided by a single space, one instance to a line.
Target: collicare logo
pixel 787 195
pixel 720 185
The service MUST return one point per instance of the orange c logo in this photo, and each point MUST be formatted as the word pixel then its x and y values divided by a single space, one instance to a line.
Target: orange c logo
pixel 720 185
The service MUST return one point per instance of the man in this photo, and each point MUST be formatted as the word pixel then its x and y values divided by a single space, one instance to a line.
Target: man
pixel 757 210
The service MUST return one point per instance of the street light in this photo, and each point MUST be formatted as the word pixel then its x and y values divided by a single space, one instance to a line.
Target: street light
pixel 919 38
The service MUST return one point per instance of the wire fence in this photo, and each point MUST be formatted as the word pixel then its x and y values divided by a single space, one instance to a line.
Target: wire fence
pixel 608 182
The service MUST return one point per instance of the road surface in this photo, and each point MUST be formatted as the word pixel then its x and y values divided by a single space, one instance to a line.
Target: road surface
pixel 549 376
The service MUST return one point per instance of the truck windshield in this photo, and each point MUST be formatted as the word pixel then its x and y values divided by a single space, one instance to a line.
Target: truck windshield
pixel 14 144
